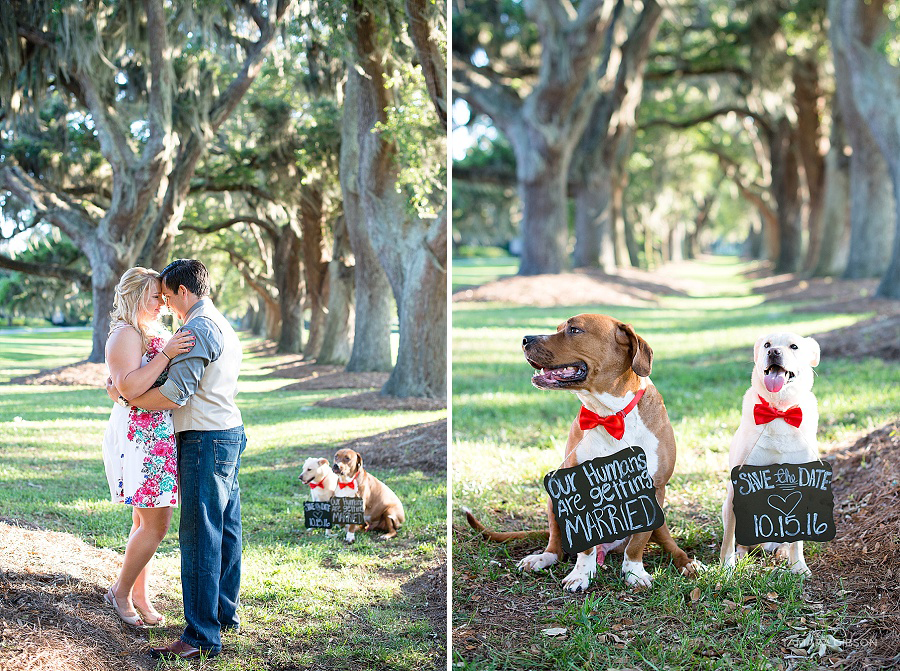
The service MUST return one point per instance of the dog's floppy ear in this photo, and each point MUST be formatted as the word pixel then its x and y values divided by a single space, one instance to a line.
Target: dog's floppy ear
pixel 641 354
pixel 359 463
pixel 323 462
pixel 814 352
pixel 757 345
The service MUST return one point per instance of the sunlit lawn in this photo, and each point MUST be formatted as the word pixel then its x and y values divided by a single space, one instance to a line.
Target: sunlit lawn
pixel 298 587
pixel 507 435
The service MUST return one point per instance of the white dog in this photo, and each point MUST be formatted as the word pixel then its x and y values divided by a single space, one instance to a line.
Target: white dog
pixel 782 381
pixel 321 479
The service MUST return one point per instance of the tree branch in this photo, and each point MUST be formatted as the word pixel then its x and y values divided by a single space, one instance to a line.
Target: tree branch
pixel 692 70
pixel 434 67
pixel 485 96
pixel 71 219
pixel 257 284
pixel 46 270
pixel 265 224
pixel 754 197
pixel 209 185
pixel 709 116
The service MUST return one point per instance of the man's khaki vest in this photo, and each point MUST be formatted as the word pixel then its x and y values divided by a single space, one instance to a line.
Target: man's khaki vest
pixel 212 407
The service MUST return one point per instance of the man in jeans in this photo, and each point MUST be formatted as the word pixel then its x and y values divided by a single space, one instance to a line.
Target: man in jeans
pixel 200 389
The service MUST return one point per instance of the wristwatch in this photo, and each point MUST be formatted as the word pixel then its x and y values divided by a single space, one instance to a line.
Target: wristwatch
pixel 122 401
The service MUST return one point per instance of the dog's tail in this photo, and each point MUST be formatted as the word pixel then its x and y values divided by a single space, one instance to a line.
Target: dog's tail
pixel 501 536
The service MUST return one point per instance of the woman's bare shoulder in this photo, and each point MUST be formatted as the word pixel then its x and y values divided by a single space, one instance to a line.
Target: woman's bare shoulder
pixel 124 335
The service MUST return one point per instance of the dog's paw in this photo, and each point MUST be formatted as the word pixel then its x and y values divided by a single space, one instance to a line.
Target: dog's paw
pixel 692 569
pixel 730 561
pixel 351 537
pixel 635 575
pixel 800 568
pixel 577 581
pixel 538 562
pixel 385 537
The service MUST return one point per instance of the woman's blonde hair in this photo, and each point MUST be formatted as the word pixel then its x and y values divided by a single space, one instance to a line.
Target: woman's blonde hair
pixel 131 292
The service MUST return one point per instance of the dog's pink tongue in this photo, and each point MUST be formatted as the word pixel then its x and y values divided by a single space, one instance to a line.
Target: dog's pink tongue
pixel 775 381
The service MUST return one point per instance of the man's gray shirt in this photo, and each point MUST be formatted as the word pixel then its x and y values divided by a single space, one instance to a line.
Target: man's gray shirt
pixel 186 369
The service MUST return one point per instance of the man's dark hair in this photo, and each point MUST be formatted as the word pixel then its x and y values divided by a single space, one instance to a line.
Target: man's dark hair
pixel 189 272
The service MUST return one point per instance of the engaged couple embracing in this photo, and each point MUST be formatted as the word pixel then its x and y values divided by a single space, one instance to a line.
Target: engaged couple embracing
pixel 176 438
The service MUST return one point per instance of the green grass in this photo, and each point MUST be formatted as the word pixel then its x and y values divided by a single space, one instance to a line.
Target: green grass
pixel 476 271
pixel 299 589
pixel 507 435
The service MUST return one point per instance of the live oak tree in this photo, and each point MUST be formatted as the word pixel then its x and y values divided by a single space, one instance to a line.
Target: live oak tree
pixel 866 44
pixel 139 88
pixel 597 175
pixel 395 173
pixel 541 99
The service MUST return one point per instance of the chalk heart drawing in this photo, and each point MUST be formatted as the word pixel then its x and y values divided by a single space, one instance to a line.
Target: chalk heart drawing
pixel 785 504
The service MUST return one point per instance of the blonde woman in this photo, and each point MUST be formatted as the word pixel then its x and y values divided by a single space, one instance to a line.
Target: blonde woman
pixel 139 445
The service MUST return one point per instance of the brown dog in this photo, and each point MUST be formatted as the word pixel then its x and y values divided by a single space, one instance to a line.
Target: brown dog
pixel 383 511
pixel 607 365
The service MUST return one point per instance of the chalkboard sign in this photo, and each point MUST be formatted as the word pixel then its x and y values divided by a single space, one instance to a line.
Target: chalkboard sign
pixel 603 500
pixel 317 514
pixel 347 510
pixel 783 503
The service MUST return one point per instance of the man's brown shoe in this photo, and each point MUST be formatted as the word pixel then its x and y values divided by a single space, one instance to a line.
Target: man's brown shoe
pixel 179 649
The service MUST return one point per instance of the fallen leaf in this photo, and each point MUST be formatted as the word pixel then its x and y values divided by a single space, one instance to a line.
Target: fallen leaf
pixel 554 631
pixel 772 595
pixel 695 595
pixel 729 605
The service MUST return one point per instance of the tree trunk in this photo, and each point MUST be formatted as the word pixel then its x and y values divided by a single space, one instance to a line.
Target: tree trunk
pixel 107 269
pixel 422 360
pixel 868 93
pixel 288 278
pixel 619 226
pixel 315 264
pixel 832 258
pixel 593 221
pixel 807 95
pixel 545 216
pixel 411 250
pixel 889 287
pixel 336 343
pixel 372 326
pixel 786 189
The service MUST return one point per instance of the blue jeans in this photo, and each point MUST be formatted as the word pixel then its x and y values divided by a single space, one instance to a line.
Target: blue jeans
pixel 210 533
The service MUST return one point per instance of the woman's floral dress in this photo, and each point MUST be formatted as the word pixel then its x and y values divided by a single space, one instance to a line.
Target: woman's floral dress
pixel 139 452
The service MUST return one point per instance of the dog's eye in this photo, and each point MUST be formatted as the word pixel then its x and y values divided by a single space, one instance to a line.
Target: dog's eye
pixel 574 329
pixel 794 346
pixel 767 345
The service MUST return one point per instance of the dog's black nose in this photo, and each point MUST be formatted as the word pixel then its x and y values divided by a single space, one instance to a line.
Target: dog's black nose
pixel 527 340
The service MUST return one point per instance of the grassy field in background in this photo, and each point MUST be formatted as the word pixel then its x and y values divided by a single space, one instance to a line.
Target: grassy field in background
pixel 297 587
pixel 477 271
pixel 507 435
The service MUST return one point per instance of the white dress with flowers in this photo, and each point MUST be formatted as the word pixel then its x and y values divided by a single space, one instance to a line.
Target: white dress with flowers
pixel 139 452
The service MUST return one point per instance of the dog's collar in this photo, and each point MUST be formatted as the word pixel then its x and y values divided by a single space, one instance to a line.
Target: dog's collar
pixel 763 413
pixel 614 424
pixel 351 484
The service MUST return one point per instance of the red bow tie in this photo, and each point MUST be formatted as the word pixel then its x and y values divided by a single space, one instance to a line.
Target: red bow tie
pixel 763 413
pixel 344 485
pixel 614 424
pixel 313 485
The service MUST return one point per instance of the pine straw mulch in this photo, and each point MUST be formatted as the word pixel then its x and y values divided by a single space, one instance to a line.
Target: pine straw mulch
pixel 83 373
pixel 864 559
pixel 877 336
pixel 52 613
pixel 373 400
pixel 419 447
pixel 628 287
